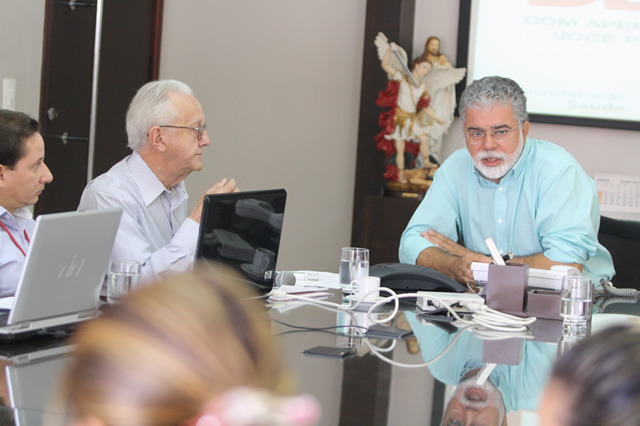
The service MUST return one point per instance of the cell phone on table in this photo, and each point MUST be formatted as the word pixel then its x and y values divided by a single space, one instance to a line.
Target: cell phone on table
pixel 330 351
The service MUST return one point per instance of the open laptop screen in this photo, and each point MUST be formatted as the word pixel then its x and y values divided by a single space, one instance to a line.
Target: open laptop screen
pixel 242 230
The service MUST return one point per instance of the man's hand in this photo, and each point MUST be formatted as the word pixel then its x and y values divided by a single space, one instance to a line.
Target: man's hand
pixel 460 267
pixel 445 244
pixel 223 187
pixel 449 257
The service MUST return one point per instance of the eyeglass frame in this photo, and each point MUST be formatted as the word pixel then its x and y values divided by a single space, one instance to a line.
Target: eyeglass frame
pixel 493 135
pixel 199 130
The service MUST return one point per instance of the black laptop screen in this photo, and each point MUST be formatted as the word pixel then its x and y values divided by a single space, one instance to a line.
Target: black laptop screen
pixel 242 230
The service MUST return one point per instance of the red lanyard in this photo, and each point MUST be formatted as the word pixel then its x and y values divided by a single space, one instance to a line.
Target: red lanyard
pixel 14 240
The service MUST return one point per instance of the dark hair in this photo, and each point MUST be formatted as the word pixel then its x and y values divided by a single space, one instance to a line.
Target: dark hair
pixel 417 61
pixel 426 44
pixel 15 128
pixel 601 377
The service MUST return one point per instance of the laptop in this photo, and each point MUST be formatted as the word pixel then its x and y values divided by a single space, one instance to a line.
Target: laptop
pixel 33 377
pixel 63 271
pixel 242 230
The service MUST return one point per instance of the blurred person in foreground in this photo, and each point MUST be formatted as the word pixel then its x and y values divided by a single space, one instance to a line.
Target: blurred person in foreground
pixel 167 132
pixel 597 382
pixel 23 176
pixel 192 349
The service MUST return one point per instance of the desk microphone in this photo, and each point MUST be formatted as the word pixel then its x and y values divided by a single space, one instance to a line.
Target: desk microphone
pixel 284 278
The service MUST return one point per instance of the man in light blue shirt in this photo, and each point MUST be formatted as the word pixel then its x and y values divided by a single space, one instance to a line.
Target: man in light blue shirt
pixel 530 196
pixel 23 175
pixel 520 385
pixel 167 134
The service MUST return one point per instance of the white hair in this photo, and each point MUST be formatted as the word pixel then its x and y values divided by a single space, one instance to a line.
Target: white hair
pixel 491 91
pixel 150 107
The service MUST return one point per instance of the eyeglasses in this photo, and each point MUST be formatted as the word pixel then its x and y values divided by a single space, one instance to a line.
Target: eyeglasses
pixel 475 137
pixel 200 130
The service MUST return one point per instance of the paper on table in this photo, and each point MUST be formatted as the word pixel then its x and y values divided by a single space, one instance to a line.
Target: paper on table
pixel 293 289
pixel 315 278
pixel 306 291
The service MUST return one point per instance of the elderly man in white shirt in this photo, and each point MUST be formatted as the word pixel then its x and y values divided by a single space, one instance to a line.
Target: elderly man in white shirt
pixel 167 132
pixel 23 175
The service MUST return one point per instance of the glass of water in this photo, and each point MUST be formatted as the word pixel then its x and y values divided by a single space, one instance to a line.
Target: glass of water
pixel 123 277
pixel 576 302
pixel 354 264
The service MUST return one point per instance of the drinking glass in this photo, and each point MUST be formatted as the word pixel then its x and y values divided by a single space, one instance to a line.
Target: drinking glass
pixel 576 302
pixel 123 277
pixel 354 264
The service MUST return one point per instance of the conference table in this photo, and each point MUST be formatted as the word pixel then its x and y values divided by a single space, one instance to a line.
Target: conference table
pixel 385 381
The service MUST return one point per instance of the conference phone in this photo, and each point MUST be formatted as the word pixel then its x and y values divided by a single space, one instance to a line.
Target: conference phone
pixel 407 278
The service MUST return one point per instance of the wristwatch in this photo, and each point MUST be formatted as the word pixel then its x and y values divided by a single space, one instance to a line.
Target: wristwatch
pixel 507 257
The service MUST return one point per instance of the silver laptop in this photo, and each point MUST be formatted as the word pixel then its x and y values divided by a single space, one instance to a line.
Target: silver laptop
pixel 33 377
pixel 63 271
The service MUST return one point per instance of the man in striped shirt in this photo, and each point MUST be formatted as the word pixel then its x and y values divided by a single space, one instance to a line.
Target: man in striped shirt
pixel 167 132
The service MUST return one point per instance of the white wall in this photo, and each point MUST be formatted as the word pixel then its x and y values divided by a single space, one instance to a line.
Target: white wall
pixel 21 33
pixel 279 81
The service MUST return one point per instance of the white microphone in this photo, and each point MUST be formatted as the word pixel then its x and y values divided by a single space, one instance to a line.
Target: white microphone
pixel 284 278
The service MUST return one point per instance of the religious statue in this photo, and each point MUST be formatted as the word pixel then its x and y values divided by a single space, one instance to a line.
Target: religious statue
pixel 421 102
pixel 441 85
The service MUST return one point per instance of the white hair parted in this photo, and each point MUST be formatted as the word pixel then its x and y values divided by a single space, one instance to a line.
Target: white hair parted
pixel 494 90
pixel 150 107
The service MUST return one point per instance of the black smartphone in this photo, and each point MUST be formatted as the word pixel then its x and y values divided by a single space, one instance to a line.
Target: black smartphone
pixel 386 332
pixel 330 351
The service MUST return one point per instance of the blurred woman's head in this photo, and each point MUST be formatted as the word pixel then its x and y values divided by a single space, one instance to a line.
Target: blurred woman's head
pixel 168 350
pixel 597 382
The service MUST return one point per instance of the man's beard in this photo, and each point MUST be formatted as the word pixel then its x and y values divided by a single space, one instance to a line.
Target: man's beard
pixel 498 172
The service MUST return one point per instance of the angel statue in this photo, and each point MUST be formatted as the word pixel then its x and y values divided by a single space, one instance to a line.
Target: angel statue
pixel 410 121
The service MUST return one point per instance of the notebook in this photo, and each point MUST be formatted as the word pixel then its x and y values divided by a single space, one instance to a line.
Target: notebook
pixel 243 230
pixel 63 271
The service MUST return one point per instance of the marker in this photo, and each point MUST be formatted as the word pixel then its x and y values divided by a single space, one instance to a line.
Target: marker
pixel 495 254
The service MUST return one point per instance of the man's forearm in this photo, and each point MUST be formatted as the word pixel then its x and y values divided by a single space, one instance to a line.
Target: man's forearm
pixel 437 259
pixel 540 261
pixel 456 266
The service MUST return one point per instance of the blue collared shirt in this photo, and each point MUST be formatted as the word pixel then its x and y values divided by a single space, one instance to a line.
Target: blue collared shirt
pixel 11 258
pixel 154 228
pixel 545 204
pixel 521 385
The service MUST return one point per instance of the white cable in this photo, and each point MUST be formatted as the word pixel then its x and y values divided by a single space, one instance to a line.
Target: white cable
pixel 482 314
pixel 376 352
pixel 486 323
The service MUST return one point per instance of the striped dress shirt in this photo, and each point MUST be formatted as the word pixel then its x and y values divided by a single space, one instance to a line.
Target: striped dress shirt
pixel 154 228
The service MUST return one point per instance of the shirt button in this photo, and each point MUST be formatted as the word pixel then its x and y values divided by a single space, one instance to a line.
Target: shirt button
pixel 501 251
pixel 500 189
pixel 500 220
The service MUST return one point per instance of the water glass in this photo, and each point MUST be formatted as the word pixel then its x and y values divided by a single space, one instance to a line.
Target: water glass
pixel 576 302
pixel 354 264
pixel 123 277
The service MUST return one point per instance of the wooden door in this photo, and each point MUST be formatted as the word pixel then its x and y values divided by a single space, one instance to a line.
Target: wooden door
pixel 83 117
